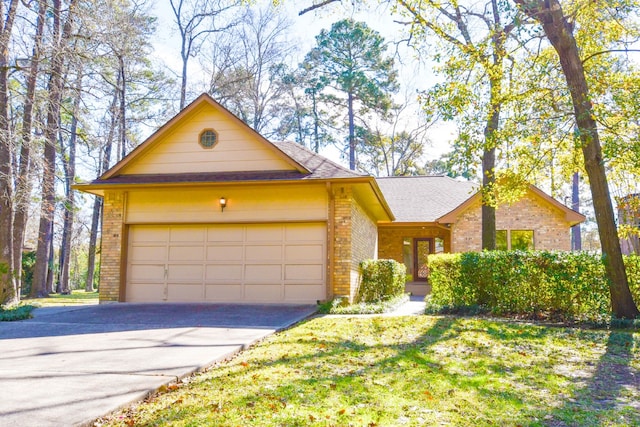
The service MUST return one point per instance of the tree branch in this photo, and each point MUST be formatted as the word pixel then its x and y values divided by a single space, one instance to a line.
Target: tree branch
pixel 316 6
pixel 609 51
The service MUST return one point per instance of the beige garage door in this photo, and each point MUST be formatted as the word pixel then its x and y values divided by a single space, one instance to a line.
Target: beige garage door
pixel 227 263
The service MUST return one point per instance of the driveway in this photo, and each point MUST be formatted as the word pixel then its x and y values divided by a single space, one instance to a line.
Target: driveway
pixel 71 365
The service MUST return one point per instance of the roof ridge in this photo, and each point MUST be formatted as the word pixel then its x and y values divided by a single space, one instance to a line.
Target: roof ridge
pixel 318 155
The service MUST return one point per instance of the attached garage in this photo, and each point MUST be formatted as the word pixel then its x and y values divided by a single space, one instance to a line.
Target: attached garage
pixel 254 263
pixel 208 210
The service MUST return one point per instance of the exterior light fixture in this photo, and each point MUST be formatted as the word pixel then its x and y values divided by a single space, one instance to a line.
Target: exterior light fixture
pixel 223 203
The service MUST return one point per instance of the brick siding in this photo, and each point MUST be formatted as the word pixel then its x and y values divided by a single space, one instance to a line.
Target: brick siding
pixel 550 229
pixel 355 239
pixel 364 242
pixel 111 251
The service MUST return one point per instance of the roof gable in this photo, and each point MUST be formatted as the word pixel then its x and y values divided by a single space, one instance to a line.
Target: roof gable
pixel 571 216
pixel 175 147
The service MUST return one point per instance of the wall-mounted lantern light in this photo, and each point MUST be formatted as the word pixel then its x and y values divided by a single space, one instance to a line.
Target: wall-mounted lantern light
pixel 223 203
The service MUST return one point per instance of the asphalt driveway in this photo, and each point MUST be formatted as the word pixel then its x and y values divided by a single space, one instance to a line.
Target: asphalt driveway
pixel 69 366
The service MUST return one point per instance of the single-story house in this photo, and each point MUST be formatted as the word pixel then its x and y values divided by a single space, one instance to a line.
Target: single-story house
pixel 207 209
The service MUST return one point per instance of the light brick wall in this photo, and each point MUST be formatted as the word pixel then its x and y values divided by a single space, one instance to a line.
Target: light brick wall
pixel 364 242
pixel 355 239
pixel 341 279
pixel 391 243
pixel 550 229
pixel 112 240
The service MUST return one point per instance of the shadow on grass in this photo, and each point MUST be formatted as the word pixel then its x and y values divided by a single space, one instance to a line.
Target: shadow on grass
pixel 609 396
pixel 344 381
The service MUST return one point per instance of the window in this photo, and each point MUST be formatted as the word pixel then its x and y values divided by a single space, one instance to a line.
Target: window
pixel 515 240
pixel 501 240
pixel 208 138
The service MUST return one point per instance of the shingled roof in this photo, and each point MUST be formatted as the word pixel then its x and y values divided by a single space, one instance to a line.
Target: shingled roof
pixel 424 198
pixel 319 166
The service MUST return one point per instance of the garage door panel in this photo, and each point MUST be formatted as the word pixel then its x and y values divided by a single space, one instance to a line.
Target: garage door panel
pixel 303 252
pixel 146 272
pixel 224 273
pixel 148 234
pixel 225 234
pixel 263 293
pixel 185 273
pixel 304 272
pixel 262 273
pixel 145 292
pixel 186 253
pixel 225 253
pixel 223 292
pixel 187 234
pixel 269 233
pixel 263 253
pixel 147 253
pixel 304 232
pixel 304 292
pixel 180 292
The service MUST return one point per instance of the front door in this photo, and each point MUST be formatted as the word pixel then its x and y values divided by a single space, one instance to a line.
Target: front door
pixel 421 249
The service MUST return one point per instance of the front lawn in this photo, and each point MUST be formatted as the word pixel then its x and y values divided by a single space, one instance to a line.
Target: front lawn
pixel 412 371
pixel 76 297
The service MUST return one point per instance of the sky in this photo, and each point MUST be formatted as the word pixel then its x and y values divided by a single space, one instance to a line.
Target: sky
pixel 412 74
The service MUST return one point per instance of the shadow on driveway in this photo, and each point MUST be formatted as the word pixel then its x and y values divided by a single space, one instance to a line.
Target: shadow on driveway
pixel 71 365
pixel 70 320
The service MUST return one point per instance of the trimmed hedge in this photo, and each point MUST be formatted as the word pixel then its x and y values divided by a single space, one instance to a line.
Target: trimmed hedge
pixel 558 285
pixel 380 280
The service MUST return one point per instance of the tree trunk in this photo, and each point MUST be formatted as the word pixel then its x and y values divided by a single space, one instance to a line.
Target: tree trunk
pixel 55 87
pixel 576 237
pixel 9 294
pixel 93 238
pixel 559 32
pixel 183 84
pixel 495 74
pixel 97 204
pixel 25 167
pixel 352 136
pixel 488 211
pixel 50 266
pixel 69 213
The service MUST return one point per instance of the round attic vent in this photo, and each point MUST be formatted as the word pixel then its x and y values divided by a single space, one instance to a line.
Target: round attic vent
pixel 208 138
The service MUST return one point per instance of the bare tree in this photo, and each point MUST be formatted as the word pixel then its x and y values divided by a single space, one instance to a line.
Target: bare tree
pixel 196 19
pixel 24 178
pixel 249 81
pixel 68 157
pixel 8 290
pixel 61 34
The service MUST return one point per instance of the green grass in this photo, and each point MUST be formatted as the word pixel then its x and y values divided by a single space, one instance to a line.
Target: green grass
pixel 411 371
pixel 76 297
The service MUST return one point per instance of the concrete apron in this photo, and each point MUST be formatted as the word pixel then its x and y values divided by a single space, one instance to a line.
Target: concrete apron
pixel 69 367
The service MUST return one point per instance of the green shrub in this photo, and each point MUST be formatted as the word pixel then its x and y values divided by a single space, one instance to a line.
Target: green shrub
pixel 341 306
pixel 558 285
pixel 19 312
pixel 380 280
